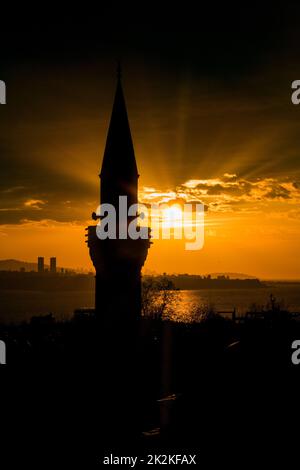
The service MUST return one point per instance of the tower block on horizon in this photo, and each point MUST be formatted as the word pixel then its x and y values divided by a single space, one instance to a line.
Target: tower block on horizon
pixel 118 262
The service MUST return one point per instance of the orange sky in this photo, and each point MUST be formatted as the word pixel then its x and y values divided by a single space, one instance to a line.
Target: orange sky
pixel 254 230
pixel 210 123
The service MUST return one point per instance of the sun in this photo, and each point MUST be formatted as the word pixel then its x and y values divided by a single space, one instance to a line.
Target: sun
pixel 172 216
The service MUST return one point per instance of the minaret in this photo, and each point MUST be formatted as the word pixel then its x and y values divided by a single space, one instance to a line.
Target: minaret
pixel 118 262
pixel 119 174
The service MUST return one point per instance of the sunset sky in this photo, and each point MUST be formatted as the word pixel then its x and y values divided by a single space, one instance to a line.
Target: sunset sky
pixel 209 103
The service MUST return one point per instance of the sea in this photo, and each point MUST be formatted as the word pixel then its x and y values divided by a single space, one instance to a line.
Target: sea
pixel 20 305
pixel 225 301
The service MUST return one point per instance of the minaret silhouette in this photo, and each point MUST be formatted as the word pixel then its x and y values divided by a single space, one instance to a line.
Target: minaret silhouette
pixel 119 174
pixel 118 262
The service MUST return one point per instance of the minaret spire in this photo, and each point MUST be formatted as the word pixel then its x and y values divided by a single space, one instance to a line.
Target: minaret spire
pixel 119 172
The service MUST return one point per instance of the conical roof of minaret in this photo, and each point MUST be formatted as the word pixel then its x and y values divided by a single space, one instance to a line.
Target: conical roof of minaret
pixel 119 158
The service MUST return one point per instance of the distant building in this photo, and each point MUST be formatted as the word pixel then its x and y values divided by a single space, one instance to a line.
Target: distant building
pixel 53 264
pixel 41 264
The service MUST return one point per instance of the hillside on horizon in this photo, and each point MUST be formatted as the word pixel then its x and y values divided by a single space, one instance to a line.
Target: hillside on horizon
pixel 16 265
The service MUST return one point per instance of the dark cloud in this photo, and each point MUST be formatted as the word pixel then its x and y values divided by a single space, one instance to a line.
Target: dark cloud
pixel 278 192
pixel 240 189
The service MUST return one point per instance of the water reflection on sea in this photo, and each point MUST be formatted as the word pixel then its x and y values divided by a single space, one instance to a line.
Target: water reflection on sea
pixel 16 306
pixel 240 299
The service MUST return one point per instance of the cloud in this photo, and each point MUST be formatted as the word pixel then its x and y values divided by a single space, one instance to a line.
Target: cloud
pixel 230 193
pixel 13 189
pixel 278 192
pixel 35 203
pixel 229 176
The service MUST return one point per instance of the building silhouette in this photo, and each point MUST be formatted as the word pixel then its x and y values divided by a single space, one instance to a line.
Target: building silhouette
pixel 53 264
pixel 41 264
pixel 118 262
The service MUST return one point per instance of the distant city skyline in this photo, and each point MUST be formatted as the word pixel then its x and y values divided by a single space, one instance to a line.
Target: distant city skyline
pixel 14 264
